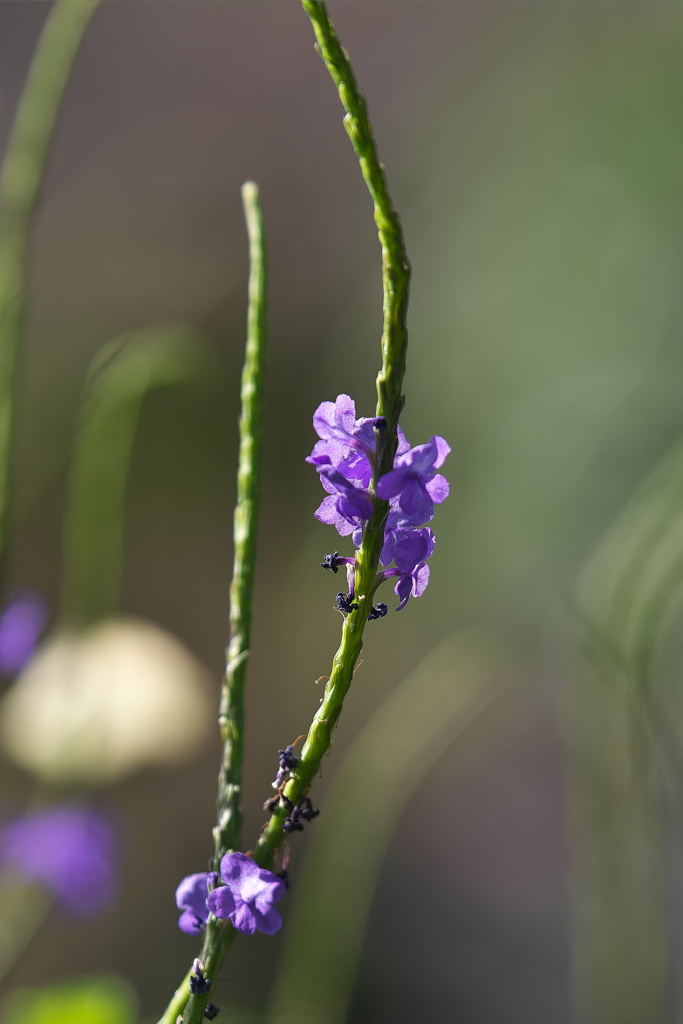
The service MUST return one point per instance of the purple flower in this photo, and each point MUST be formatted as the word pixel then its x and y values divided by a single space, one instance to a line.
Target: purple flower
pixel 21 624
pixel 248 895
pixel 190 897
pixel 349 502
pixel 344 458
pixel 412 584
pixel 410 550
pixel 70 850
pixel 414 479
pixel 398 524
pixel 348 443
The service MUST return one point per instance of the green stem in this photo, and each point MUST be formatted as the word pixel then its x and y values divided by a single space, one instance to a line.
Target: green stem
pixel 395 286
pixel 20 183
pixel 219 935
pixel 231 717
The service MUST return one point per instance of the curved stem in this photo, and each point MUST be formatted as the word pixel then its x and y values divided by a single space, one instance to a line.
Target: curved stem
pixel 395 284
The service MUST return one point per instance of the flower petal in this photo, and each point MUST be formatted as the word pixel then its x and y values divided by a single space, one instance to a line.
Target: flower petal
pixel 335 420
pixel 438 488
pixel 221 901
pixel 413 496
pixel 268 922
pixel 420 578
pixel 403 589
pixel 272 890
pixel 236 868
pixel 192 892
pixel 243 919
pixel 410 549
pixel 189 923
pixel 392 483
pixel 442 448
pixel 327 513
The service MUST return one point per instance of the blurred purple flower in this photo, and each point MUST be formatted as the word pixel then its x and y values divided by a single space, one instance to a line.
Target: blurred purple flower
pixel 70 850
pixel 248 895
pixel 190 897
pixel 414 479
pixel 21 624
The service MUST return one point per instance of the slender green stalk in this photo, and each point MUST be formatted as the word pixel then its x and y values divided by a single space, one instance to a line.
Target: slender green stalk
pixel 231 717
pixel 395 265
pixel 21 178
pixel 219 935
pixel 395 284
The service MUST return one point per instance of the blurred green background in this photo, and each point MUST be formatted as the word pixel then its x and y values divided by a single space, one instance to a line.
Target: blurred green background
pixel 534 153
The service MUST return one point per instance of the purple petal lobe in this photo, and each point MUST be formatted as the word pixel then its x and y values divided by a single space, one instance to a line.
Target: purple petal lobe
pixel 438 488
pixel 403 589
pixel 237 869
pixel 221 901
pixel 189 923
pixel 243 919
pixel 392 483
pixel 412 496
pixel 327 513
pixel 335 420
pixel 442 450
pixel 268 922
pixel 420 580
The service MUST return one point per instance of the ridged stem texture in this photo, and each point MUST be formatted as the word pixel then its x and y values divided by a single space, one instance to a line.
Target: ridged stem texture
pixel 21 179
pixel 227 833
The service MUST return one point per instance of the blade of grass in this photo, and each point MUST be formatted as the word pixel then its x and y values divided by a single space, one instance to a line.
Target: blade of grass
pixel 22 175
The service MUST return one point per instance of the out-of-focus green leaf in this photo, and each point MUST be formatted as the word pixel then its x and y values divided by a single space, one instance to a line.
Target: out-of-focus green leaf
pixel 632 587
pixel 634 582
pixel 104 1000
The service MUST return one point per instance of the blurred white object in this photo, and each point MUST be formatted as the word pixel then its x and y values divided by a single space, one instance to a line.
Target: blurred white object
pixel 95 705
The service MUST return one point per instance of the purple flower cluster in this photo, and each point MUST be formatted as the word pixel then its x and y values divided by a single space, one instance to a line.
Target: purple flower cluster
pixel 344 458
pixel 69 850
pixel 246 897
